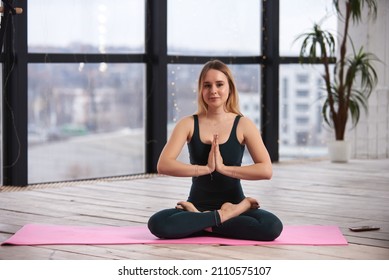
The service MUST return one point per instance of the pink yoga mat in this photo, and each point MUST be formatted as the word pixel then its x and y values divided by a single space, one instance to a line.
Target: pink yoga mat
pixel 39 234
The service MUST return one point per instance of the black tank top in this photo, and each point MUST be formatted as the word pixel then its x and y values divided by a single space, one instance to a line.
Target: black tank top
pixel 210 192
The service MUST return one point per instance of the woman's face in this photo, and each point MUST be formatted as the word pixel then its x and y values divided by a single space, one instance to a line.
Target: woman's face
pixel 215 88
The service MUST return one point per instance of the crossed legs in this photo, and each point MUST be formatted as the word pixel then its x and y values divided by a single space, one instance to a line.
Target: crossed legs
pixel 227 211
pixel 243 220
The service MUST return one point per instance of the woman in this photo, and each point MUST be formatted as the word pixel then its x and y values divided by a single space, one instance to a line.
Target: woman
pixel 216 137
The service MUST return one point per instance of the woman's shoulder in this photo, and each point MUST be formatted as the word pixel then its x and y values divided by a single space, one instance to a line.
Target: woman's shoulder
pixel 245 121
pixel 247 126
pixel 188 118
pixel 186 121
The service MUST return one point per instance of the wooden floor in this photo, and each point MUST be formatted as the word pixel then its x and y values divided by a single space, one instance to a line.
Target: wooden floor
pixel 300 193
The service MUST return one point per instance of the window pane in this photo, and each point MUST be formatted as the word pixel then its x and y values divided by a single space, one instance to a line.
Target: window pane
pixel 214 27
pixel 302 131
pixel 87 26
pixel 182 94
pixel 85 121
pixel 292 23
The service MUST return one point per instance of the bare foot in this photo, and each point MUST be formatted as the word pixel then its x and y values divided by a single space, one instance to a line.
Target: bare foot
pixel 186 206
pixel 229 210
pixel 254 202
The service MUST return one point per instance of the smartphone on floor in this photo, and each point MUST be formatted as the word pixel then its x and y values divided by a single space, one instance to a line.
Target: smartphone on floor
pixel 364 228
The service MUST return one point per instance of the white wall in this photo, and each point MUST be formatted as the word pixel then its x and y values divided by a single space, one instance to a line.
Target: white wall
pixel 370 138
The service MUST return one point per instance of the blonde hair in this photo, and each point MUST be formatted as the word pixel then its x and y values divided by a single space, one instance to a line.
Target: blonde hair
pixel 232 104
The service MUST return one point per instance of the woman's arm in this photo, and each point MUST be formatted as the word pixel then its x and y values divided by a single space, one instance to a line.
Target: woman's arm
pixel 261 169
pixel 168 163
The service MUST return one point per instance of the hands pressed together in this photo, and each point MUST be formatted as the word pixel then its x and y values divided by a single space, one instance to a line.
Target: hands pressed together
pixel 215 160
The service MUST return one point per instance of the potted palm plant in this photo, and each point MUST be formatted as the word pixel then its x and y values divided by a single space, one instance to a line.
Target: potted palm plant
pixel 350 82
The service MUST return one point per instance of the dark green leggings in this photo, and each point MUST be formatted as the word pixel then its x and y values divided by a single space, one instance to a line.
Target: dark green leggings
pixel 255 224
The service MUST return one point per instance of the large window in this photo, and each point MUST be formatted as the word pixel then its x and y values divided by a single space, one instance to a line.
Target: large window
pixel 86 120
pixel 298 16
pixel 302 131
pixel 214 27
pixel 87 26
pixel 96 66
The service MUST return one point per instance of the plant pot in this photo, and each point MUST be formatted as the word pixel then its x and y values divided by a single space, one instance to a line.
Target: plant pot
pixel 339 151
